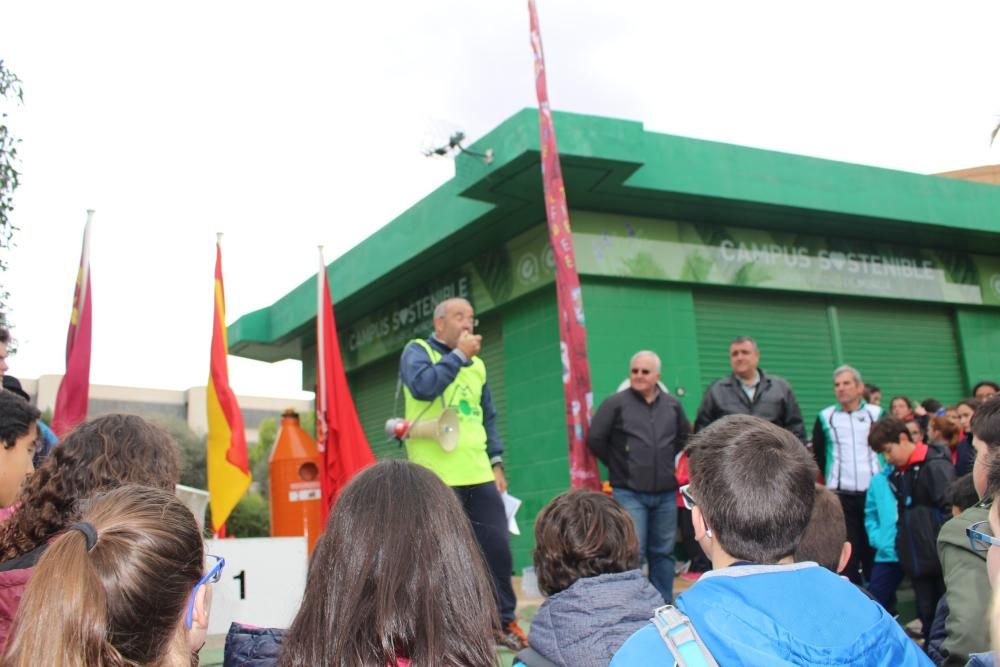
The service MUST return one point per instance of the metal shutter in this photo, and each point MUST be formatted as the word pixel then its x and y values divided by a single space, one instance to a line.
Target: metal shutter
pixel 908 349
pixel 491 329
pixel 792 332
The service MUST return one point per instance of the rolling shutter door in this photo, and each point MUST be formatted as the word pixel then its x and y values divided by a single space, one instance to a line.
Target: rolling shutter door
pixel 792 332
pixel 908 349
pixel 373 388
pixel 491 329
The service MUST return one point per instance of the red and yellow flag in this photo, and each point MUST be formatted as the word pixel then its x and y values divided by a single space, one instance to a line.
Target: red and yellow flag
pixel 228 464
pixel 74 389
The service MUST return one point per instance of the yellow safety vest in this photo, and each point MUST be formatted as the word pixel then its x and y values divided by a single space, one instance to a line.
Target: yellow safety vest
pixel 468 463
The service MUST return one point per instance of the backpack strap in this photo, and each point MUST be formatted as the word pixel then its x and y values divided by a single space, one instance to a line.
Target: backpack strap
pixel 681 638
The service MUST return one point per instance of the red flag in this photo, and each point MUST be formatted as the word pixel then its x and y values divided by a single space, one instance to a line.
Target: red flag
pixel 572 330
pixel 342 443
pixel 74 389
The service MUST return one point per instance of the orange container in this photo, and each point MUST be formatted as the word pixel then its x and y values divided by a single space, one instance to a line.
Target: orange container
pixel 295 486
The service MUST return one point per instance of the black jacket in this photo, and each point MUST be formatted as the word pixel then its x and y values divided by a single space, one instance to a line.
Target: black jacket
pixel 773 401
pixel 920 492
pixel 638 441
pixel 247 646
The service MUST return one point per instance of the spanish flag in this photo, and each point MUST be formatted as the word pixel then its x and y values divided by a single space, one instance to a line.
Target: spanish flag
pixel 228 465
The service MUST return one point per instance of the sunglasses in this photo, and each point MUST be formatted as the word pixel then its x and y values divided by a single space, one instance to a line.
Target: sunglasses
pixel 212 576
pixel 641 371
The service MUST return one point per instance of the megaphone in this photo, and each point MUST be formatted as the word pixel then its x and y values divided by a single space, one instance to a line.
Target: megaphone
pixel 443 430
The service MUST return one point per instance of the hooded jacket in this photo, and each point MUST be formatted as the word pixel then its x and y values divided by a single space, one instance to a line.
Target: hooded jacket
pixel 781 615
pixel 921 488
pixel 967 623
pixel 880 517
pixel 247 646
pixel 585 624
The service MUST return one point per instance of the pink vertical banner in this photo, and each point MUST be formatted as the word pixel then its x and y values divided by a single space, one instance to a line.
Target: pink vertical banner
pixel 572 329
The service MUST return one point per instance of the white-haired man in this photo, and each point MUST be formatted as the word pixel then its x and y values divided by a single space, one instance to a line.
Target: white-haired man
pixel 636 433
pixel 840 444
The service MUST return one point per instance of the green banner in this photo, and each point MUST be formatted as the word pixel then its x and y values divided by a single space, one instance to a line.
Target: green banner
pixel 630 247
pixel 516 268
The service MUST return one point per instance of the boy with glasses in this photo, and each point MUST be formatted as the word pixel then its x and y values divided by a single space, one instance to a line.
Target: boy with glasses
pixel 966 624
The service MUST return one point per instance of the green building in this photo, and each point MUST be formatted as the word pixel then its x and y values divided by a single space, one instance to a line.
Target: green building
pixel 681 245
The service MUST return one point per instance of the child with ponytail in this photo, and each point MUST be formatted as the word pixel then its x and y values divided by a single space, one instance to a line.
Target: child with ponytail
pixel 126 585
pixel 99 455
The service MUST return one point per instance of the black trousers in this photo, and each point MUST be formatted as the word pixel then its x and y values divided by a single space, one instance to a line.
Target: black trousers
pixel 484 507
pixel 927 591
pixel 862 555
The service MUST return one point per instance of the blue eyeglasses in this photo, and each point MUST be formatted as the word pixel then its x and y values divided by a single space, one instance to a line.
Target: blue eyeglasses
pixel 212 576
pixel 980 540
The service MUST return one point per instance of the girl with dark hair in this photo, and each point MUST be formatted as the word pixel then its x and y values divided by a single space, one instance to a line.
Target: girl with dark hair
pixel 966 453
pixel 397 580
pixel 102 454
pixel 126 585
pixel 901 407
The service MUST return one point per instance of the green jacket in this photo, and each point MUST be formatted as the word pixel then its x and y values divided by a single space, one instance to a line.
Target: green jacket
pixel 968 588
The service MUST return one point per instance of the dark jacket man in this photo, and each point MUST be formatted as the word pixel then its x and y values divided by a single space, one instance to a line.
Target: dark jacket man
pixel 773 400
pixel 638 440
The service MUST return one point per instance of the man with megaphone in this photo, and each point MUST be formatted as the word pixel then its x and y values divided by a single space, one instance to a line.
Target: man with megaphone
pixel 444 373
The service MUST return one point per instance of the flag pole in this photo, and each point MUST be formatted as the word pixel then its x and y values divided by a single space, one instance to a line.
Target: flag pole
pixel 320 356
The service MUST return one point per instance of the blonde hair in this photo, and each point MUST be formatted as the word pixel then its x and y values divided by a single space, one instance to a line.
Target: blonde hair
pixel 118 603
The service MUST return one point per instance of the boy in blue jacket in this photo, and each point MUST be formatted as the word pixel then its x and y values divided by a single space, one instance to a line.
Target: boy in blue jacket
pixel 751 496
pixel 880 524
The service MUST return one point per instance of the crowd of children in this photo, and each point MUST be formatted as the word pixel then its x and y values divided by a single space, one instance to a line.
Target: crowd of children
pixel 100 564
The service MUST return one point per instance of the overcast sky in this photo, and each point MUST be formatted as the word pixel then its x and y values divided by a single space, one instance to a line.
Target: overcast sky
pixel 288 125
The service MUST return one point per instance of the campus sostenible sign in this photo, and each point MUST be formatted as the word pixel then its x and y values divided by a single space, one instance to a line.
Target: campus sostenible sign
pixel 631 247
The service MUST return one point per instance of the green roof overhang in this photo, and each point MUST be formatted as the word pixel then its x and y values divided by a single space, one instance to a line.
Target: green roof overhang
pixel 616 166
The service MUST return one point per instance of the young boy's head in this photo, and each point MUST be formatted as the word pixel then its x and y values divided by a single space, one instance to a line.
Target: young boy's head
pixel 962 494
pixel 18 433
pixel 752 484
pixel 890 438
pixel 915 429
pixel 985 425
pixel 582 534
pixel 825 539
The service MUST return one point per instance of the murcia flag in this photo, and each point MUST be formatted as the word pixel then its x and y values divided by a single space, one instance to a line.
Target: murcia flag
pixel 343 446
pixel 74 390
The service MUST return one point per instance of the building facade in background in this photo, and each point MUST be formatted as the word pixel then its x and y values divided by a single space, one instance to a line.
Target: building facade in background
pixel 187 405
pixel 681 245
